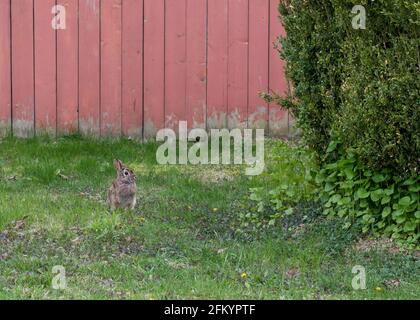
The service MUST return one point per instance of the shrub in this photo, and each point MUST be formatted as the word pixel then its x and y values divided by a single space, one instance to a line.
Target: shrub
pixel 361 87
pixel 383 202
pixel 356 99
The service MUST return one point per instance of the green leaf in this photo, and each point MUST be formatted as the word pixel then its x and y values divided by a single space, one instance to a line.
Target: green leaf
pixel 409 226
pixel 380 224
pixel 332 146
pixel 417 214
pixel 397 213
pixel 389 190
pixel 326 212
pixel 320 178
pixel 367 173
pixel 341 213
pixel 335 198
pixel 409 182
pixel 376 195
pixel 349 173
pixel 346 225
pixel 328 187
pixel 386 212
pixel 364 203
pixel 414 188
pixel 362 193
pixel 378 178
pixel 400 220
pixel 385 200
pixel 404 202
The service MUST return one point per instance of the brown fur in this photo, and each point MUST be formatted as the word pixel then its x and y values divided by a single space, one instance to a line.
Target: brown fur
pixel 122 193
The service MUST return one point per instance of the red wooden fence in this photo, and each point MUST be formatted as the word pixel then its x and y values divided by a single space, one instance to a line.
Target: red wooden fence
pixel 133 66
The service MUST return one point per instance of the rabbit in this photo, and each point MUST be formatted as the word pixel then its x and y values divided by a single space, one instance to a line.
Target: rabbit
pixel 122 193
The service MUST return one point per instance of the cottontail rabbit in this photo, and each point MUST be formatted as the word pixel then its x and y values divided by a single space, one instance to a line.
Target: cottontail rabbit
pixel 122 193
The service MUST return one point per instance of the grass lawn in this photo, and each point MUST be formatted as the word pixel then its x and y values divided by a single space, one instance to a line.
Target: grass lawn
pixel 181 242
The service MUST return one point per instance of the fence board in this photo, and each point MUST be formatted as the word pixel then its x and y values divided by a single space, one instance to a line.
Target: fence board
pixel 278 117
pixel 5 65
pixel 89 67
pixel 196 86
pixel 154 66
pixel 111 41
pixel 67 70
pixel 132 93
pixel 45 69
pixel 258 63
pixel 23 68
pixel 175 62
pixel 217 99
pixel 237 69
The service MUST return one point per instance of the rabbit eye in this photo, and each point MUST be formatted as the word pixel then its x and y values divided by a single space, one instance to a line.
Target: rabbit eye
pixel 125 172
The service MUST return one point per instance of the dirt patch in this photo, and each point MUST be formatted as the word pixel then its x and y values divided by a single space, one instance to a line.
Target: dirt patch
pixel 366 245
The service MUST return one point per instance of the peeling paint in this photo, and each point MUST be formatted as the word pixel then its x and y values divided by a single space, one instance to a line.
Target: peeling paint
pixel 150 130
pixel 93 5
pixel 217 121
pixel 23 128
pixel 235 121
pixel 258 119
pixel 89 127
pixel 5 128
pixel 279 124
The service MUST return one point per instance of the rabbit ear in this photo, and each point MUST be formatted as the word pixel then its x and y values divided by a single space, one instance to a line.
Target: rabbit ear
pixel 118 164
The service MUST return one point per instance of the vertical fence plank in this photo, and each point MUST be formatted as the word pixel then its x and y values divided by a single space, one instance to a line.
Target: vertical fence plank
pixel 111 26
pixel 196 63
pixel 23 68
pixel 258 63
pixel 89 67
pixel 5 65
pixel 45 68
pixel 67 70
pixel 154 71
pixel 132 93
pixel 238 64
pixel 175 63
pixel 217 63
pixel 278 116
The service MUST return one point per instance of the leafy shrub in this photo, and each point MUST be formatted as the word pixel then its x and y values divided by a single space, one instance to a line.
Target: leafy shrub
pixel 356 98
pixel 361 87
pixel 383 202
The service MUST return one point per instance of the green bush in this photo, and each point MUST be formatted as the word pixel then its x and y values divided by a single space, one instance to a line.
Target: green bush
pixel 384 203
pixel 358 91
pixel 361 87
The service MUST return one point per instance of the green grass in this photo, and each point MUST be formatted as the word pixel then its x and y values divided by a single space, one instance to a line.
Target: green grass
pixel 181 241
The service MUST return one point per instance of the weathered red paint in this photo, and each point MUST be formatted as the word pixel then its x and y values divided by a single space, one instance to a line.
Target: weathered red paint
pixel 5 80
pixel 23 68
pixel 196 73
pixel 237 69
pixel 278 117
pixel 258 63
pixel 89 67
pixel 132 67
pixel 67 70
pixel 45 69
pixel 217 65
pixel 175 62
pixel 154 66
pixel 111 44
